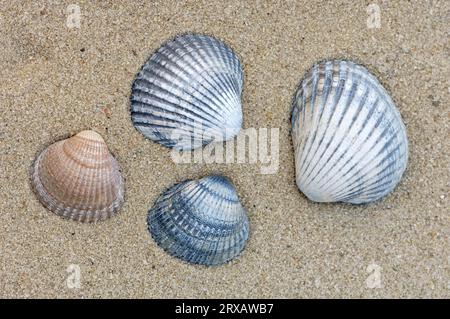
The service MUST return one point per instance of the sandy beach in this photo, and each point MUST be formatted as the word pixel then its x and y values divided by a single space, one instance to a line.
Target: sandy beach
pixel 59 77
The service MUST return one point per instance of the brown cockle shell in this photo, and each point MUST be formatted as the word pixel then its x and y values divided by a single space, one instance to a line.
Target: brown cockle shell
pixel 78 178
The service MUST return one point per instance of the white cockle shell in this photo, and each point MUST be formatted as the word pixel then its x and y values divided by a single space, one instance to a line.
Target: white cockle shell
pixel 349 139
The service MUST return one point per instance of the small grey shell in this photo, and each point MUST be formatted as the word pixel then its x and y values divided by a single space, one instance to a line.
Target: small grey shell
pixel 188 93
pixel 200 221
pixel 349 139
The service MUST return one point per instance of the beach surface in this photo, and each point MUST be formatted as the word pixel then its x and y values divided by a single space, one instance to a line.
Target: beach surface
pixel 59 77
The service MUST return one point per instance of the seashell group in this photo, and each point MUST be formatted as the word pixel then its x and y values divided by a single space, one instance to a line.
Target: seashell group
pixel 200 221
pixel 78 178
pixel 188 93
pixel 349 139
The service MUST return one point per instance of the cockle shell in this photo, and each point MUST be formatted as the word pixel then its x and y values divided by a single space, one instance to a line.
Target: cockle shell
pixel 78 178
pixel 200 221
pixel 349 139
pixel 188 93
